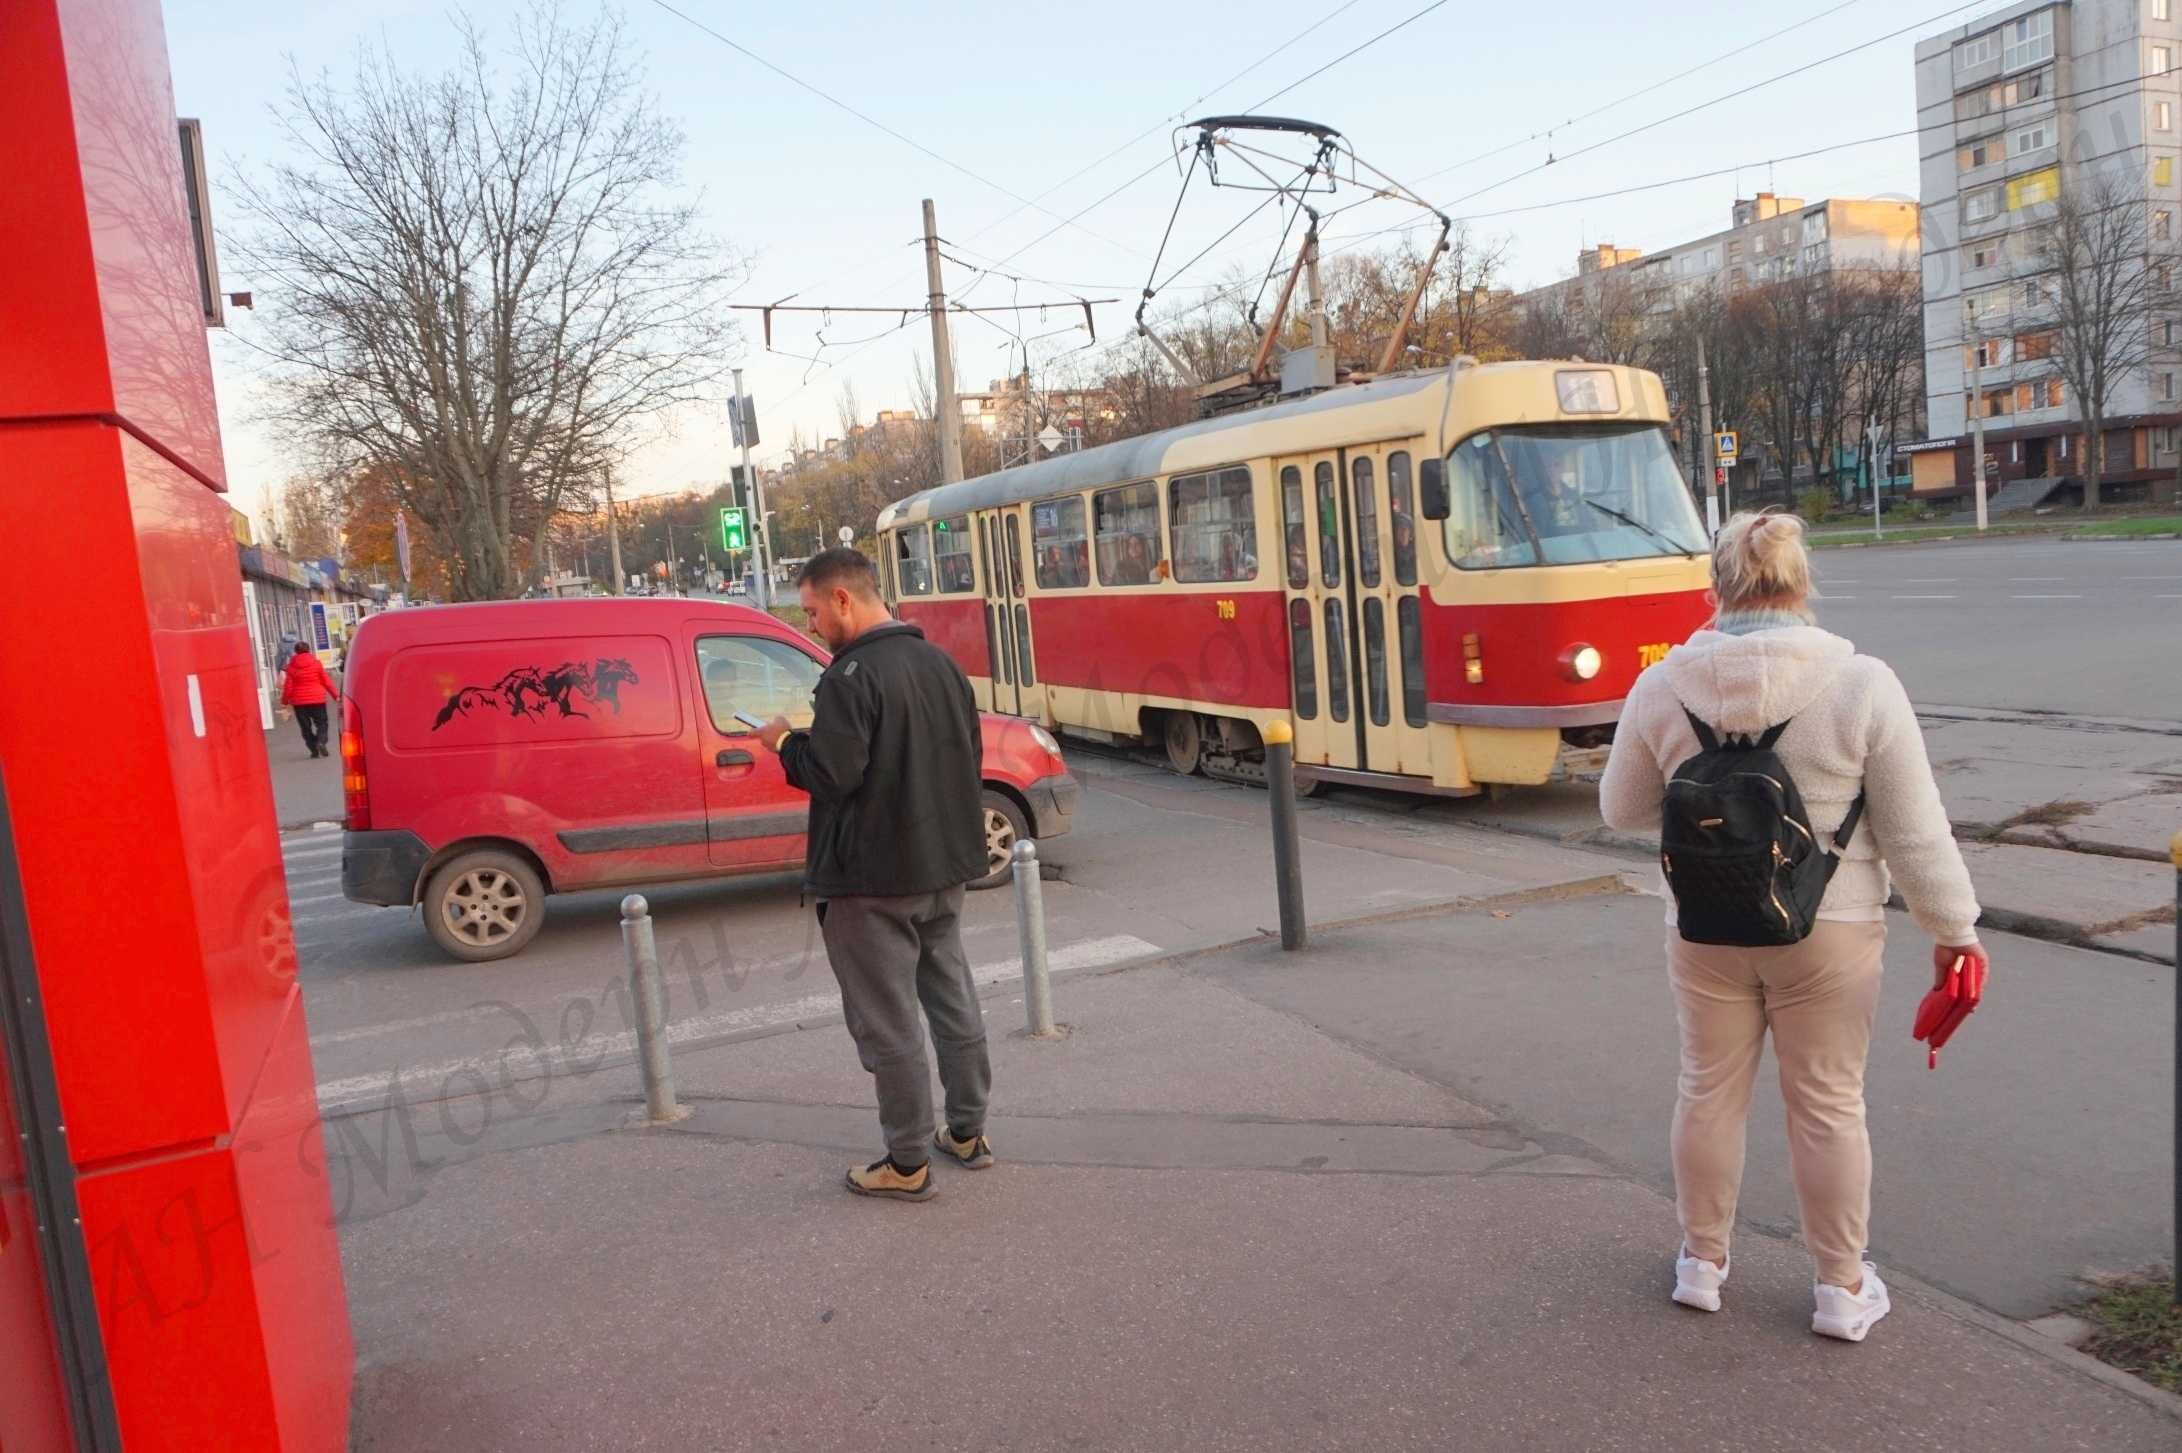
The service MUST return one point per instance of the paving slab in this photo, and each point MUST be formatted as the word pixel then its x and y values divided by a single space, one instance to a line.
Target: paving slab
pixel 2103 900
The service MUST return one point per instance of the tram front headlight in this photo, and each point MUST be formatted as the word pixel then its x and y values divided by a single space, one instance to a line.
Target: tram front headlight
pixel 1582 663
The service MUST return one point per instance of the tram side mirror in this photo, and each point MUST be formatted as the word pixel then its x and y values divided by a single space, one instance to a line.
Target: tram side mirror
pixel 1432 489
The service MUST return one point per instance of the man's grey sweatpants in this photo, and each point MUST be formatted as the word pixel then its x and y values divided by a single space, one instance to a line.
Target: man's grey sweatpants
pixel 890 954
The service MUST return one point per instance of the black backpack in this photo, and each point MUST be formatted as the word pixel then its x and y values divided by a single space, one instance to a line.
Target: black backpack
pixel 1741 859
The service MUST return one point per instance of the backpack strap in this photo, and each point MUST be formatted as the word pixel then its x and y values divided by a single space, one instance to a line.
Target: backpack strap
pixel 1848 824
pixel 1705 735
pixel 1771 738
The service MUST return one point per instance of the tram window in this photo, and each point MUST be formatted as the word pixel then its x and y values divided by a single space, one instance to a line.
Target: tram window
pixel 1401 512
pixel 1024 675
pixel 985 553
pixel 1292 523
pixel 886 576
pixel 913 558
pixel 1014 550
pixel 1337 664
pixel 1406 616
pixel 1566 494
pixel 1367 525
pixel 1329 533
pixel 1305 665
pixel 1215 525
pixel 1125 523
pixel 1375 695
pixel 951 554
pixel 995 641
pixel 1059 551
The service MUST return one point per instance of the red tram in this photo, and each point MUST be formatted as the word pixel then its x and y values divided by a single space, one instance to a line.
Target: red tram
pixel 1443 580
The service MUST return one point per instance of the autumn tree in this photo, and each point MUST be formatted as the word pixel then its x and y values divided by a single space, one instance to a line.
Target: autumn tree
pixel 481 283
pixel 2104 289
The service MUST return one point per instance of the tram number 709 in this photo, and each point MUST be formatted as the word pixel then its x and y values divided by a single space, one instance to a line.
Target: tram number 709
pixel 1653 654
pixel 1224 609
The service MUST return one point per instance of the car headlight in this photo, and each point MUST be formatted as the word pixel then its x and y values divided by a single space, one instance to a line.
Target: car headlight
pixel 1581 663
pixel 1044 739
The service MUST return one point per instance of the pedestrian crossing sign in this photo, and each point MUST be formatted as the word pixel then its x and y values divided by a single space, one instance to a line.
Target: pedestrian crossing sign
pixel 1727 446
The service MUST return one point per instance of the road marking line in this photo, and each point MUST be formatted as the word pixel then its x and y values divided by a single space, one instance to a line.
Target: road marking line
pixel 522 1062
pixel 2045 597
pixel 295 902
pixel 1930 579
pixel 316 850
pixel 2035 579
pixel 1924 597
pixel 1837 597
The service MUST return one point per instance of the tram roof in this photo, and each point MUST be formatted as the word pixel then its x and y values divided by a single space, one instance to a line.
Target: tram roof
pixel 1138 458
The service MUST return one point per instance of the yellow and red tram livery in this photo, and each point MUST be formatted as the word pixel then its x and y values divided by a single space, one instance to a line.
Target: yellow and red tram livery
pixel 1444 580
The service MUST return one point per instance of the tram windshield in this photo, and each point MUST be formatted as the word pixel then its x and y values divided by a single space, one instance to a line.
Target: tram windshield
pixel 1567 494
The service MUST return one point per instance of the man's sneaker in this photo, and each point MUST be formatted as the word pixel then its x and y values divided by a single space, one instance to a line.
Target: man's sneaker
pixel 1697 1282
pixel 1846 1314
pixel 976 1152
pixel 881 1179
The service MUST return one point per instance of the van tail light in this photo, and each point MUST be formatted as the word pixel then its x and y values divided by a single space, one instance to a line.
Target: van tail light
pixel 355 789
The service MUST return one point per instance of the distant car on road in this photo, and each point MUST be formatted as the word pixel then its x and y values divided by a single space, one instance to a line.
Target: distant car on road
pixel 494 754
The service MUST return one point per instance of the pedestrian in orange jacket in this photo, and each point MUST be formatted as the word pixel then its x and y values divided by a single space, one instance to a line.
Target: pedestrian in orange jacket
pixel 306 686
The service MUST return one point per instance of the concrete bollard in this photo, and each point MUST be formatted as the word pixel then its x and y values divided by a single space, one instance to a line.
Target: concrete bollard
pixel 1030 923
pixel 1280 774
pixel 651 1028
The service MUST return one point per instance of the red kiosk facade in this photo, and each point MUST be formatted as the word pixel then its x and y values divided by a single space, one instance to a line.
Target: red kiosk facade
pixel 169 1271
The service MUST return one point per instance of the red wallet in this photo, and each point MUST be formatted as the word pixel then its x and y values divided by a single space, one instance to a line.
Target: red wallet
pixel 1944 1009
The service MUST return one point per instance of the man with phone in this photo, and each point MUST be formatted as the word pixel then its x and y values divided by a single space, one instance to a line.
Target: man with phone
pixel 893 762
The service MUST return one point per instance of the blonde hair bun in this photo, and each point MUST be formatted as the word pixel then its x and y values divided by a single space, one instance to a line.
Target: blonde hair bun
pixel 1759 562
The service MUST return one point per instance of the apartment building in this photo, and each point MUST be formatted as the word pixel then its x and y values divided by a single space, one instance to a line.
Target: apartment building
pixel 2016 110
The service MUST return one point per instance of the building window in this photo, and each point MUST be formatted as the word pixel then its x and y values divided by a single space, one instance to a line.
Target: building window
pixel 2162 59
pixel 2029 41
pixel 1735 250
pixel 2162 9
pixel 1998 403
pixel 951 554
pixel 1980 255
pixel 2032 188
pixel 2032 346
pixel 2053 393
pixel 2162 224
pixel 2163 116
pixel 1060 554
pixel 2032 293
pixel 2162 171
pixel 2163 278
pixel 1989 150
pixel 1215 529
pixel 2033 138
pixel 2166 332
pixel 1979 50
pixel 1990 354
pixel 2166 387
pixel 2025 88
pixel 1981 206
pixel 1125 529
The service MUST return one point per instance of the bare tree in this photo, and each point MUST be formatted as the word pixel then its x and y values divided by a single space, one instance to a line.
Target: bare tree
pixel 476 284
pixel 2104 289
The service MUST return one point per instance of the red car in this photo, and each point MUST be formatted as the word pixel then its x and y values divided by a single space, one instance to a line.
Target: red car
pixel 493 754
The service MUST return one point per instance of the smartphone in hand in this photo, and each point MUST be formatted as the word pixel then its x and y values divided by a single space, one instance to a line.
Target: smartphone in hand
pixel 755 723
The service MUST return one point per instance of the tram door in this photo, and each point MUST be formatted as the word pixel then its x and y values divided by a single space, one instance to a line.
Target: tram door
pixel 1349 524
pixel 1007 612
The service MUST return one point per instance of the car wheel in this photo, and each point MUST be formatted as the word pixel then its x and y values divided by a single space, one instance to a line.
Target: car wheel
pixel 1184 741
pixel 484 905
pixel 1005 826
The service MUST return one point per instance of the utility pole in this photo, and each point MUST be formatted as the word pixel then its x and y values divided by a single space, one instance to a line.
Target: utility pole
pixel 1705 449
pixel 1871 437
pixel 674 569
pixel 943 360
pixel 1977 436
pixel 613 538
pixel 761 550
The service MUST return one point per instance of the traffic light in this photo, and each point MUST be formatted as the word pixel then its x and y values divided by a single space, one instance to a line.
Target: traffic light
pixel 732 536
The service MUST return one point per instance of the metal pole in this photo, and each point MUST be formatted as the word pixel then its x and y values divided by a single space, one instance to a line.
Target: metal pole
pixel 613 539
pixel 761 551
pixel 943 358
pixel 1704 418
pixel 2174 855
pixel 1280 774
pixel 1977 435
pixel 1030 923
pixel 1871 448
pixel 651 1028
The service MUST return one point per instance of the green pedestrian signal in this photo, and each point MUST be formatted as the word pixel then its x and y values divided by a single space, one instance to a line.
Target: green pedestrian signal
pixel 731 529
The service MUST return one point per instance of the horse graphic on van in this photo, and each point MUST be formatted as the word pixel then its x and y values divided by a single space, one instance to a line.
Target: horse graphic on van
pixel 532 691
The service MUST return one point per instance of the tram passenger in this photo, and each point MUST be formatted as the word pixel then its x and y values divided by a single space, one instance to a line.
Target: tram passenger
pixel 1849 734
pixel 1299 556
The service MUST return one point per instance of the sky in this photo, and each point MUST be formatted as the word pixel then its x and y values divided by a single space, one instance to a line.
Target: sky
pixel 1484 108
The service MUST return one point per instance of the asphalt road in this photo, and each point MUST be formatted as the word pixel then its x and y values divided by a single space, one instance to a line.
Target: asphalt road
pixel 2081 628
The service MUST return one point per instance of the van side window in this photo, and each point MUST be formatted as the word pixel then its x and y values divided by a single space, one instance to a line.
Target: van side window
pixel 758 675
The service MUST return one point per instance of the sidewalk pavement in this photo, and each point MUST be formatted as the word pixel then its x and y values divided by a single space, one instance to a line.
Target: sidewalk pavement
pixel 1402 1190
pixel 306 790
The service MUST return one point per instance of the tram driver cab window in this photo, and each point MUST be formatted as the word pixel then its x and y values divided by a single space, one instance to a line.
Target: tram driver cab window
pixel 913 559
pixel 1567 494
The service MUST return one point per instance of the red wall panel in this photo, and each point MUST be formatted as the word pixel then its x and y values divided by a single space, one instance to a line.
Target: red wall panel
pixel 1166 645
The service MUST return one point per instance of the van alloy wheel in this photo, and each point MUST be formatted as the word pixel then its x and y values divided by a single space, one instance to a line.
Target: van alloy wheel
pixel 1005 826
pixel 485 907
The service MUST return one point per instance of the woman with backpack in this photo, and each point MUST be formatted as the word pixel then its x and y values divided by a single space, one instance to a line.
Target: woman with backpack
pixel 1787 778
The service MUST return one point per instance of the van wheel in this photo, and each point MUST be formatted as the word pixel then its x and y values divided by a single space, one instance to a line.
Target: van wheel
pixel 1005 826
pixel 484 905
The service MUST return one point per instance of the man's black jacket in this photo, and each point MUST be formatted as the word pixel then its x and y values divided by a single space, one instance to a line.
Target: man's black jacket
pixel 893 764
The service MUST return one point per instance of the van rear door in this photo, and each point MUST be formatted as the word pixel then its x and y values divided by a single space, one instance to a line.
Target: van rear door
pixel 754 819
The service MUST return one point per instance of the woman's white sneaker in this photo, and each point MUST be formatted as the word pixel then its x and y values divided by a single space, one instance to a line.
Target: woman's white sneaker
pixel 1697 1282
pixel 1846 1314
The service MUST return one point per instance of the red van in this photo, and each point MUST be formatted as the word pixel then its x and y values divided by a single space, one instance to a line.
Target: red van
pixel 493 754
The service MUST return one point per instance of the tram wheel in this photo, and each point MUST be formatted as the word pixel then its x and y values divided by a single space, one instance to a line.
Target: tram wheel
pixel 1184 740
